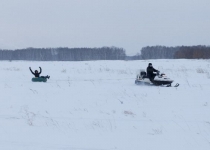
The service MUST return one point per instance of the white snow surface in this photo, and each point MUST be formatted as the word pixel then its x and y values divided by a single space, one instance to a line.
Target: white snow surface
pixel 95 105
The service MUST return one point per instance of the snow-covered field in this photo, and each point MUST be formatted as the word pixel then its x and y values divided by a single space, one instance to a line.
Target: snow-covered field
pixel 95 105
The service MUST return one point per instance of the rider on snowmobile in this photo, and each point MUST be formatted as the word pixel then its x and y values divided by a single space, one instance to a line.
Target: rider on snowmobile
pixel 150 72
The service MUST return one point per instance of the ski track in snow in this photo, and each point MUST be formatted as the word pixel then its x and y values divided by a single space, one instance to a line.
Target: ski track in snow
pixel 95 105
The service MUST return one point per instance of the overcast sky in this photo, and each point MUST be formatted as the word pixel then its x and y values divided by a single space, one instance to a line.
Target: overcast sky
pixel 130 24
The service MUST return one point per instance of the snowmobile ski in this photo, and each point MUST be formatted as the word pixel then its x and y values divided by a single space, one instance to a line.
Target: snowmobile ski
pixel 176 85
pixel 169 85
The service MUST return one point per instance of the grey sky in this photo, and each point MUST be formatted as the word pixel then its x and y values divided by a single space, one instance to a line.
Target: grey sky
pixel 130 24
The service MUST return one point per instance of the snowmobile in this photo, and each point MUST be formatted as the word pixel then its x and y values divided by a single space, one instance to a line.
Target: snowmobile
pixel 160 79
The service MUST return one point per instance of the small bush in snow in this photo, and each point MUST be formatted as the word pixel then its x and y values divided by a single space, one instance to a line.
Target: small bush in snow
pixel 107 69
pixel 63 71
pixel 199 70
pixel 157 131
pixel 128 113
pixel 12 69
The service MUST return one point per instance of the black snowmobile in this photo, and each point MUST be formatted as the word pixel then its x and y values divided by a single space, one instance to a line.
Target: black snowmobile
pixel 159 80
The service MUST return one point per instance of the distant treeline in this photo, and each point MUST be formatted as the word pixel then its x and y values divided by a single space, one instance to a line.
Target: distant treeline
pixel 106 53
pixel 187 52
pixel 64 54
pixel 193 52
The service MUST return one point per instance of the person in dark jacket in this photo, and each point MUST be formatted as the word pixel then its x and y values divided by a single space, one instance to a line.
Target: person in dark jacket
pixel 150 72
pixel 37 74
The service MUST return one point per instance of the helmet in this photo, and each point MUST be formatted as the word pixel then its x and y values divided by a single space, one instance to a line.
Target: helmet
pixel 150 64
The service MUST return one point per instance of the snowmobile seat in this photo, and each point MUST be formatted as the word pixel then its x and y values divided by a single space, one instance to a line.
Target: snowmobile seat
pixel 143 74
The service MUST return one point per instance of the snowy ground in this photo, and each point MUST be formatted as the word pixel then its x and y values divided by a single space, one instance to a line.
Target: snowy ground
pixel 95 105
